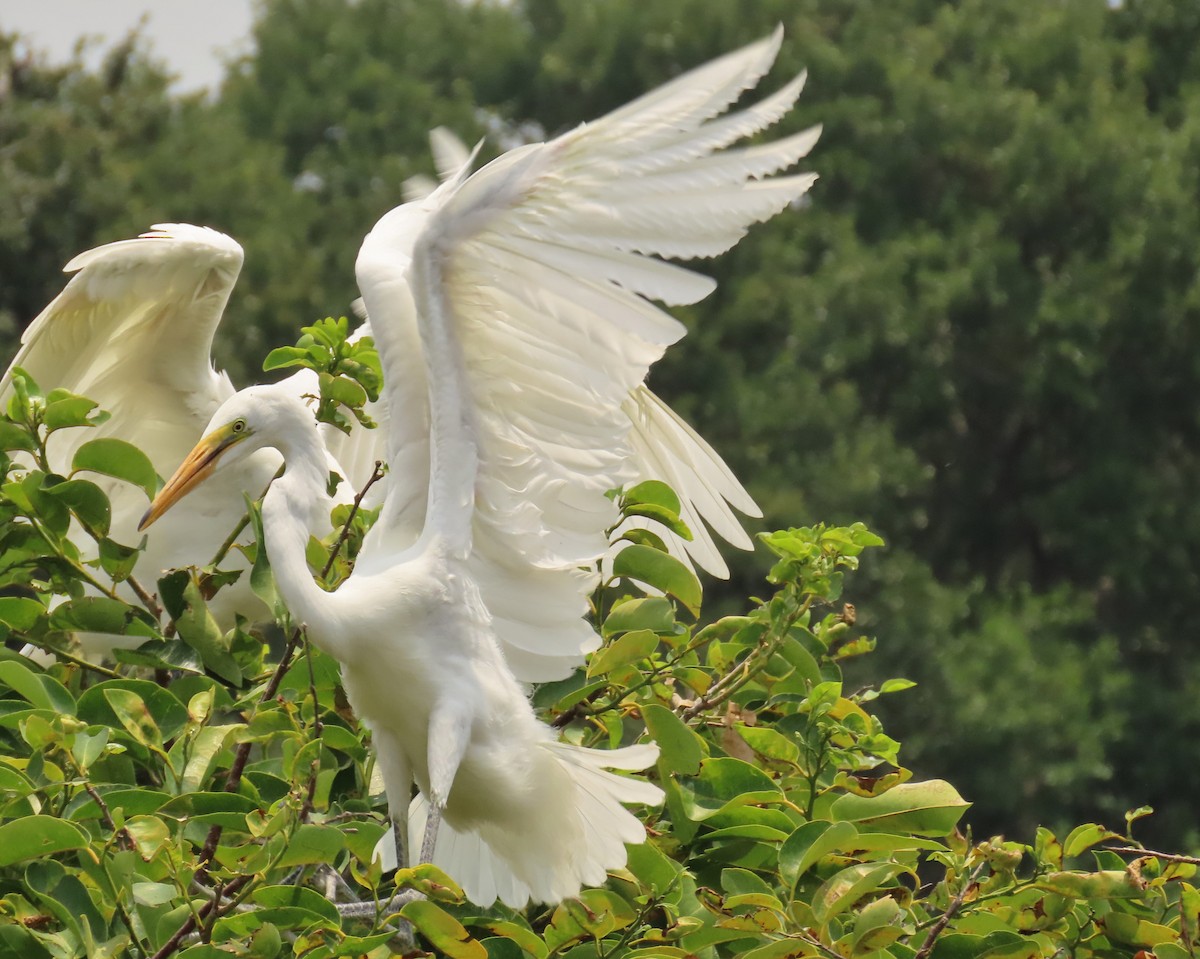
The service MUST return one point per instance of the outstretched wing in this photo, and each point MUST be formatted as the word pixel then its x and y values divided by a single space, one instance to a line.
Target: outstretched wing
pixel 543 265
pixel 132 330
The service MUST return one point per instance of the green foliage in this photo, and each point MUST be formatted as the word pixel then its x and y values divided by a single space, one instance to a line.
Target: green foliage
pixel 348 371
pixel 197 799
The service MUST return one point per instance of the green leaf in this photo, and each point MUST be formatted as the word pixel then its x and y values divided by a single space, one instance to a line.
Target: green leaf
pixel 625 650
pixel 295 896
pixel 681 749
pixel 202 750
pixel 36 836
pixel 768 743
pixel 45 692
pixel 654 613
pixel 134 715
pixel 116 458
pixel 343 390
pixel 87 501
pixel 652 868
pixel 65 409
pixel 18 612
pixel 198 628
pixel 811 842
pixel 1133 931
pixel 312 843
pixel 284 356
pixel 117 560
pixel 138 801
pixel 168 712
pixel 192 805
pixel 930 808
pixel 153 893
pixel 877 926
pixel 1082 838
pixel 661 571
pixel 665 517
pixel 1106 884
pixel 149 834
pixel 63 895
pixel 14 437
pixel 845 888
pixel 102 614
pixel 725 782
pixel 652 493
pixel 782 949
pixel 442 930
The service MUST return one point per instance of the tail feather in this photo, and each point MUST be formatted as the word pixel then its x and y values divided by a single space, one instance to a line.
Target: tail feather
pixel 571 832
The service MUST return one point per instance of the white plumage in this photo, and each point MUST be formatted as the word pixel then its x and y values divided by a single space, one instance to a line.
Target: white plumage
pixel 132 330
pixel 511 309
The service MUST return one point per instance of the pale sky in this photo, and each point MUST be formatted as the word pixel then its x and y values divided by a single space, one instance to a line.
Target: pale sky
pixel 189 35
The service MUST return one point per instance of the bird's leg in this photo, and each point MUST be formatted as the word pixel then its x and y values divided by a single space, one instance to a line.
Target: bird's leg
pixel 429 840
pixel 398 812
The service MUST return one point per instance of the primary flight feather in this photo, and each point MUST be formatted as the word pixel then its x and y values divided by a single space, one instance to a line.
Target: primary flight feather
pixel 512 311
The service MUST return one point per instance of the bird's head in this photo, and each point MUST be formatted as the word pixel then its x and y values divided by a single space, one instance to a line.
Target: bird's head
pixel 248 421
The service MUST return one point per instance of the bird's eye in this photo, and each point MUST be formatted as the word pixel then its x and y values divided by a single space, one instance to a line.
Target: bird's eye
pixel 239 426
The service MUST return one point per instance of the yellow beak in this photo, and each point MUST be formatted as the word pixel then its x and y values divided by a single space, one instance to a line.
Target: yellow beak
pixel 193 471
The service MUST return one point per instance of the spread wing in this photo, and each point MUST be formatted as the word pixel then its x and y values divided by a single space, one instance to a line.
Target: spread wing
pixel 132 330
pixel 543 265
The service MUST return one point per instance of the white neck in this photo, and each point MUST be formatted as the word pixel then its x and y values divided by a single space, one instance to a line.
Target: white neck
pixel 292 510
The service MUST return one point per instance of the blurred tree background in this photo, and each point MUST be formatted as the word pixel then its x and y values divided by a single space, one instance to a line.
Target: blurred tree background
pixel 981 337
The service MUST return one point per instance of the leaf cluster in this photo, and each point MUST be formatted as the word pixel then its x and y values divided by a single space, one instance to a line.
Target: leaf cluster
pixel 217 800
pixel 348 370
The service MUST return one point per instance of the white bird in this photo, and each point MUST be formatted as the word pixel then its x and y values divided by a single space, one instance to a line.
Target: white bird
pixel 132 330
pixel 511 309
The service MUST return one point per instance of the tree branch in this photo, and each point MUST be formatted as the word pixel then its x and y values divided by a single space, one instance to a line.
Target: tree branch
pixel 1164 856
pixel 376 476
pixel 951 910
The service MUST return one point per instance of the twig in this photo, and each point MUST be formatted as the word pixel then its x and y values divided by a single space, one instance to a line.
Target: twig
pixel 727 685
pixel 122 834
pixel 306 807
pixel 147 600
pixel 1165 856
pixel 376 476
pixel 76 660
pixel 226 546
pixel 231 539
pixel 189 926
pixel 951 910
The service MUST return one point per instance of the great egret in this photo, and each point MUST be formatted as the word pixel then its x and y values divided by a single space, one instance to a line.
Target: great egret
pixel 132 330
pixel 510 308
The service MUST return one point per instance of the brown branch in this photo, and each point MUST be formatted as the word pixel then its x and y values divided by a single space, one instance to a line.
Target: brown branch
pixel 71 658
pixel 1164 856
pixel 189 926
pixel 147 600
pixel 122 834
pixel 376 476
pixel 307 806
pixel 951 910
